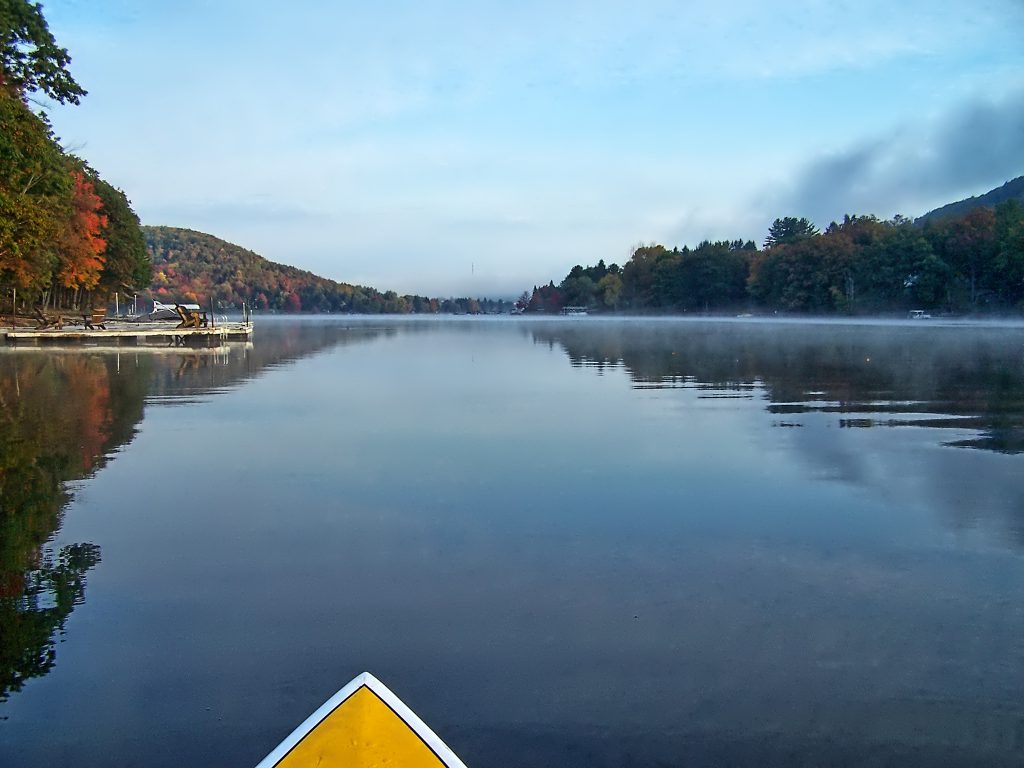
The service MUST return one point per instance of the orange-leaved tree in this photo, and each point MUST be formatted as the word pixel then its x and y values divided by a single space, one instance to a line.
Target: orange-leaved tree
pixel 82 257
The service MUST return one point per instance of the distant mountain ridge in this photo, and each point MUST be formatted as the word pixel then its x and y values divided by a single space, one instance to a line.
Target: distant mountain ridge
pixel 195 267
pixel 1011 190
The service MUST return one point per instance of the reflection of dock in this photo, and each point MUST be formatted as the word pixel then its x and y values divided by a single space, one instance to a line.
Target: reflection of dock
pixel 137 334
pixel 127 349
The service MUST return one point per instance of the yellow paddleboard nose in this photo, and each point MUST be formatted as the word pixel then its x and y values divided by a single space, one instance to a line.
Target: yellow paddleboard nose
pixel 364 725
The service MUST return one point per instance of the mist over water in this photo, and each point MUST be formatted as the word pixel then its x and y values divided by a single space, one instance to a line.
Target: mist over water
pixel 573 542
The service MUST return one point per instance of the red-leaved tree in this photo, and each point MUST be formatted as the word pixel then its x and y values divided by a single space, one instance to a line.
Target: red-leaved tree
pixel 82 257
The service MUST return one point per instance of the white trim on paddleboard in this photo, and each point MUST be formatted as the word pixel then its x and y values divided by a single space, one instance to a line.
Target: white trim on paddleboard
pixel 410 718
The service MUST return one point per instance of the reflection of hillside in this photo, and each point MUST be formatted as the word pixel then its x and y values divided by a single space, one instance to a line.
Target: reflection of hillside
pixel 276 343
pixel 62 415
pixel 953 377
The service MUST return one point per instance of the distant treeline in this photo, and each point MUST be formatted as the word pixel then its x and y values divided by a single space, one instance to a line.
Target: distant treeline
pixel 195 267
pixel 862 265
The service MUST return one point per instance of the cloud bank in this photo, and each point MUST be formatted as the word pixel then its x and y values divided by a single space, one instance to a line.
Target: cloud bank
pixel 971 149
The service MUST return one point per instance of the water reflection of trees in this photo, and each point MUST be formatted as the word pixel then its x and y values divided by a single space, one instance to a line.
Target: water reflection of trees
pixel 62 416
pixel 963 378
pixel 34 607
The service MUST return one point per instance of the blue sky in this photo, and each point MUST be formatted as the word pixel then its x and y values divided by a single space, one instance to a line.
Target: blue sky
pixel 454 148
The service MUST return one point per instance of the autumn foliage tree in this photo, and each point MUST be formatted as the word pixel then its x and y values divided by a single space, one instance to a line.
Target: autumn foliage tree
pixel 58 220
pixel 35 191
pixel 83 244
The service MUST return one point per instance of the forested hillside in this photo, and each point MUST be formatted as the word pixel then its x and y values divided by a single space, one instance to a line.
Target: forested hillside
pixel 196 267
pixel 1011 190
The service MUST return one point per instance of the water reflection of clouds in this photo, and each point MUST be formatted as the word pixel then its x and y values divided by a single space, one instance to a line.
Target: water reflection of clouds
pixel 889 409
pixel 913 460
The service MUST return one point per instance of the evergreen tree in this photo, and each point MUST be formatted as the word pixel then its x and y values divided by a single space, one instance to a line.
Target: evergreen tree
pixel 789 230
pixel 30 59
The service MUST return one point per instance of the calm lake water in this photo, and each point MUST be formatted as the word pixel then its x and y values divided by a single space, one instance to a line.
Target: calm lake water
pixel 571 542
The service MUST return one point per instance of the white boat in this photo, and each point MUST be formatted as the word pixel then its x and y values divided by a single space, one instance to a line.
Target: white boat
pixel 919 314
pixel 163 311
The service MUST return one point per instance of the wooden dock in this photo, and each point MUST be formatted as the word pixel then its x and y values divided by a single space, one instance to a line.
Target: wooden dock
pixel 137 334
